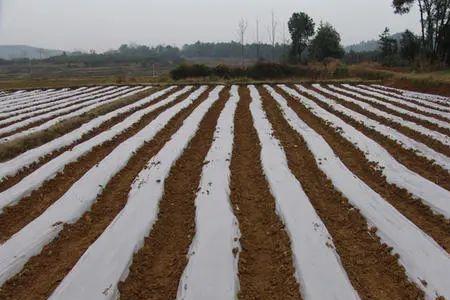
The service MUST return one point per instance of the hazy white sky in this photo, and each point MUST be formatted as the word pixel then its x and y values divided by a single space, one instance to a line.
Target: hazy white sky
pixel 105 24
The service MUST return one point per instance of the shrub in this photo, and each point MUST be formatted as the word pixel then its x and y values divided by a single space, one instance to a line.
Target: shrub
pixel 368 74
pixel 224 71
pixel 258 71
pixel 341 71
pixel 121 78
pixel 269 70
pixel 186 71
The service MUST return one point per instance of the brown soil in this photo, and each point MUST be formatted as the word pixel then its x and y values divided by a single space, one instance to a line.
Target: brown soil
pixel 15 110
pixel 429 114
pixel 427 105
pixel 420 214
pixel 15 217
pixel 421 86
pixel 44 272
pixel 48 101
pixel 67 104
pixel 373 271
pixel 158 266
pixel 417 102
pixel 430 142
pixel 424 123
pixel 42 121
pixel 266 268
pixel 12 180
pixel 34 124
pixel 38 122
pixel 407 157
pixel 13 148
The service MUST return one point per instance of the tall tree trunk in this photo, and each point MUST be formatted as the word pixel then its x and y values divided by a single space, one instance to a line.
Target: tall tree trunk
pixel 442 19
pixel 430 27
pixel 422 22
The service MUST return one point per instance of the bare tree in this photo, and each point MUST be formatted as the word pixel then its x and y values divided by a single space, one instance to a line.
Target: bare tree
pixel 285 35
pixel 285 41
pixel 258 42
pixel 242 28
pixel 273 34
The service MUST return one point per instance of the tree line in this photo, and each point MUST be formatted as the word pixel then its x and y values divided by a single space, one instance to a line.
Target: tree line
pixel 433 43
pixel 430 48
pixel 308 42
pixel 252 51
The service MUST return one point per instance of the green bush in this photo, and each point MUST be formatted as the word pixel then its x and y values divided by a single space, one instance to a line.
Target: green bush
pixel 223 71
pixel 269 70
pixel 341 72
pixel 371 74
pixel 187 71
pixel 257 71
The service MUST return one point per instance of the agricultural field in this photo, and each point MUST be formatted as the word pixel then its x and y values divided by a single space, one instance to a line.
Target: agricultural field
pixel 281 191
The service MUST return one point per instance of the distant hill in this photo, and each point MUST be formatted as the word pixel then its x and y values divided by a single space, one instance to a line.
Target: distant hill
pixel 22 51
pixel 371 45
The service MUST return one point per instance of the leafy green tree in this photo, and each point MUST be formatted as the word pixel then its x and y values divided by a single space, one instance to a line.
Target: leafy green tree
pixel 301 28
pixel 388 45
pixel 326 43
pixel 409 46
pixel 257 51
pixel 446 45
pixel 434 21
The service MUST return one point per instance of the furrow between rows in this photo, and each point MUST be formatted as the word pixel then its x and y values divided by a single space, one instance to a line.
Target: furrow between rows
pixel 79 236
pixel 436 119
pixel 13 148
pixel 314 253
pixel 435 140
pixel 373 270
pixel 405 99
pixel 412 154
pixel 428 266
pixel 434 113
pixel 49 119
pixel 14 111
pixel 13 170
pixel 36 113
pixel 242 192
pixel 428 97
pixel 430 193
pixel 49 102
pixel 396 111
pixel 34 95
pixel 139 217
pixel 8 96
pixel 36 110
pixel 266 266
pixel 68 209
pixel 34 127
pixel 211 272
pixel 35 104
pixel 37 191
